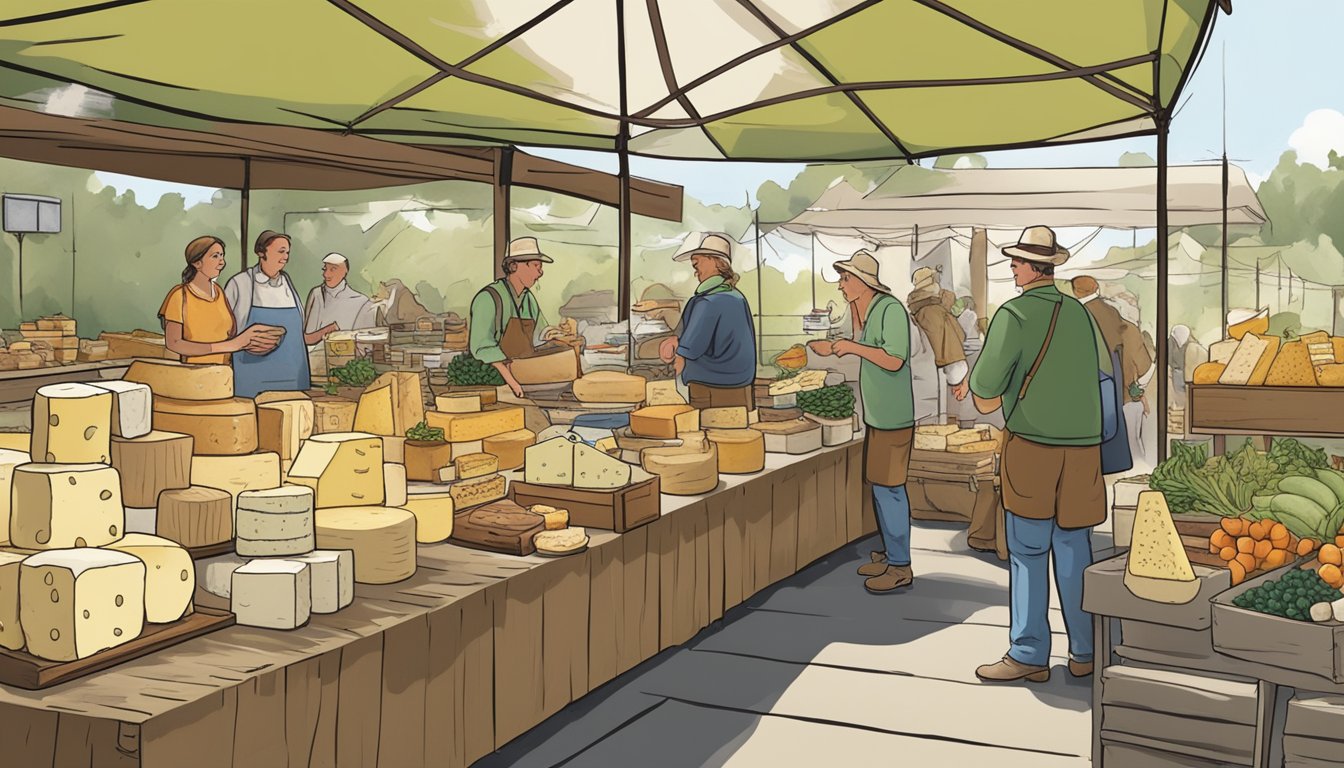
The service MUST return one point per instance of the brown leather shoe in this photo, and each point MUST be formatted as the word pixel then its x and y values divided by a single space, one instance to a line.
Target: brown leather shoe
pixel 1080 668
pixel 1009 670
pixel 877 567
pixel 890 580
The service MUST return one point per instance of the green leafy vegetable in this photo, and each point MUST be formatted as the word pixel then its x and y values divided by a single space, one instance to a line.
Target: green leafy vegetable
pixel 1290 597
pixel 423 431
pixel 356 373
pixel 1224 485
pixel 835 402
pixel 467 371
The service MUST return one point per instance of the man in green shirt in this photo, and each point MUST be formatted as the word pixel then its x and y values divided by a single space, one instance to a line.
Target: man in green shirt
pixel 883 346
pixel 1040 364
pixel 505 317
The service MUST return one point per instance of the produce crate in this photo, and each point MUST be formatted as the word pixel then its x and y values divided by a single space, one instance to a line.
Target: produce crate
pixel 1305 647
pixel 619 510
pixel 1105 594
pixel 1215 408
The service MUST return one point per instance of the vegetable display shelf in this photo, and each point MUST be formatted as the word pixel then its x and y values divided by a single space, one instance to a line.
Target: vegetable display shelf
pixel 1219 410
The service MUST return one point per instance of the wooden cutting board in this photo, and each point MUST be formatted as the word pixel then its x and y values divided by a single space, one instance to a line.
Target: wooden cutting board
pixel 501 526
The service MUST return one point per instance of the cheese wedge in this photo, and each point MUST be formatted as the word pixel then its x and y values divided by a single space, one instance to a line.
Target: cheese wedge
pixel 170 575
pixel 58 506
pixel 1291 368
pixel 11 631
pixel 151 464
pixel 458 403
pixel 283 425
pixel 725 418
pixel 510 447
pixel 1222 351
pixel 9 459
pixel 474 465
pixel 331 575
pixel 1157 567
pixel 1210 373
pixel 595 470
pixel 662 392
pixel 683 472
pixel 1252 352
pixel 433 515
pixel 274 523
pixel 394 484
pixel 195 516
pixel 72 424
pixel 610 387
pixel 664 421
pixel 183 382
pixel 382 539
pixel 132 406
pixel 273 594
pixel 218 427
pixel 74 603
pixel 344 469
pixel 235 474
pixel 741 451
pixel 469 427
pixel 478 491
pixel 550 462
pixel 391 405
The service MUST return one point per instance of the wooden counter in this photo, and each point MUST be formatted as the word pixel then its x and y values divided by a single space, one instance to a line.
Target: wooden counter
pixel 20 386
pixel 453 663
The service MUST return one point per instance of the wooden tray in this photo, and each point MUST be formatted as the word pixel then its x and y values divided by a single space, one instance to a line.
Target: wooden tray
pixel 210 550
pixel 23 670
pixel 1307 647
pixel 620 510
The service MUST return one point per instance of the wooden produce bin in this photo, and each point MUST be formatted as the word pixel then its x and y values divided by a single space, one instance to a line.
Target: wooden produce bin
pixel 620 510
pixel 1215 409
pixel 1303 647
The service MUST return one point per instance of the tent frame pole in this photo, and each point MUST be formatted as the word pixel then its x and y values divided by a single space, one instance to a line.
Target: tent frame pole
pixel 760 291
pixel 1163 318
pixel 503 206
pixel 244 213
pixel 623 248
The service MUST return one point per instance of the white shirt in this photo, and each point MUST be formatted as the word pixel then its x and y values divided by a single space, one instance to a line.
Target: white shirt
pixel 271 293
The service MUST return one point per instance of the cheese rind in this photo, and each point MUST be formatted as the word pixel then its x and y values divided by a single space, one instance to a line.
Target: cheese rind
pixel 481 490
pixel 11 631
pixel 274 594
pixel 394 484
pixel 9 459
pixel 469 427
pixel 1157 567
pixel 74 603
pixel 72 424
pixel 170 575
pixel 474 465
pixel 235 474
pixel 683 472
pixel 132 407
pixel 382 539
pixel 183 382
pixel 331 577
pixel 509 447
pixel 218 427
pixel 195 516
pixel 283 425
pixel 151 464
pixel 343 469
pixel 610 387
pixel 58 506
pixel 433 516
pixel 664 421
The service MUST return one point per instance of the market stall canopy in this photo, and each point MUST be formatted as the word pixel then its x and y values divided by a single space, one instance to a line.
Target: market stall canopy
pixel 1008 198
pixel 704 79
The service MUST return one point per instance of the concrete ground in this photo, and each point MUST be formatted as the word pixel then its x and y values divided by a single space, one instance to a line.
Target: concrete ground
pixel 816 672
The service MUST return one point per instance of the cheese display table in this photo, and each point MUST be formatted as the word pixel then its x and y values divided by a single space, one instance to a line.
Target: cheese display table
pixel 21 386
pixel 470 652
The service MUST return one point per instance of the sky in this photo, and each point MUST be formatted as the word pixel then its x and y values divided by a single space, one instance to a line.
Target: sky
pixel 1282 92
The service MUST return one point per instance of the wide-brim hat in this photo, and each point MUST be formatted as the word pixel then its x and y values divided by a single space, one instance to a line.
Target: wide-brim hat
pixel 526 249
pixel 925 276
pixel 1038 244
pixel 863 265
pixel 712 245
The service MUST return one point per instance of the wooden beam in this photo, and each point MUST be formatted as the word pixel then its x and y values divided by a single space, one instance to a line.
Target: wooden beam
pixel 502 185
pixel 647 198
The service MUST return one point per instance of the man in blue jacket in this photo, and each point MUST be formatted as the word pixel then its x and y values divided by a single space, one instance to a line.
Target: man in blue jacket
pixel 716 348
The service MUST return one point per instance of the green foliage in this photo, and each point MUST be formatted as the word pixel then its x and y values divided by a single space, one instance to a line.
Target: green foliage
pixel 1224 485
pixel 356 373
pixel 835 402
pixel 466 371
pixel 426 433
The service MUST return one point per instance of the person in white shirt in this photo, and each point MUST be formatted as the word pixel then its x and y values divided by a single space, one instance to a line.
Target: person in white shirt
pixel 334 304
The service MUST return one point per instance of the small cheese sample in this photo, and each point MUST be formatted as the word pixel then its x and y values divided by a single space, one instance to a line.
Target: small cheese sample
pixel 151 464
pixel 195 516
pixel 461 402
pixel 391 405
pixel 481 490
pixel 664 421
pixel 662 392
pixel 509 447
pixel 57 506
pixel 473 465
pixel 725 418
pixel 741 451
pixel 1291 368
pixel 790 437
pixel 72 424
pixel 332 578
pixel 219 427
pixel 556 519
pixel 394 484
pixel 235 474
pixel 283 425
pixel 683 472
pixel 215 575
pixel 132 406
pixel 382 539
pixel 433 515
pixel 74 603
pixel 332 414
pixel 610 387
pixel 170 575
pixel 275 522
pixel 1253 353
pixel 273 594
pixel 9 459
pixel 344 469
pixel 1157 567
pixel 183 382
pixel 11 631
pixel 424 459
pixel 469 427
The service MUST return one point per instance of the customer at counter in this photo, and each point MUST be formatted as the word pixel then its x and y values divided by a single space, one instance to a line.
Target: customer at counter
pixel 334 305
pixel 265 294
pixel 505 317
pixel 197 322
pixel 716 346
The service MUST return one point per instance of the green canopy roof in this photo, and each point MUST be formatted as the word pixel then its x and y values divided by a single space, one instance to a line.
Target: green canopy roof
pixel 701 79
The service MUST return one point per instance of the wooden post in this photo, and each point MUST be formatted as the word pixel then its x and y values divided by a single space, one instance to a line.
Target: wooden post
pixel 760 291
pixel 503 182
pixel 980 272
pixel 1163 320
pixel 243 245
pixel 1336 300
pixel 623 251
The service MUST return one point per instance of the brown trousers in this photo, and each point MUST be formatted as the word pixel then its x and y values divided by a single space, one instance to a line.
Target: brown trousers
pixel 704 396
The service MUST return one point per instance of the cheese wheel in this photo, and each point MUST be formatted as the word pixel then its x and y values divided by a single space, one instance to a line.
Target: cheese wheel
pixel 343 468
pixel 610 387
pixel 195 516
pixel 59 506
pixel 741 451
pixel 664 421
pixel 9 459
pixel 509 447
pixel 219 427
pixel 151 464
pixel 72 424
pixel 181 381
pixel 682 472
pixel 460 402
pixel 170 575
pixel 433 516
pixel 283 425
pixel 274 522
pixel 382 538
pixel 469 427
pixel 235 474
pixel 132 406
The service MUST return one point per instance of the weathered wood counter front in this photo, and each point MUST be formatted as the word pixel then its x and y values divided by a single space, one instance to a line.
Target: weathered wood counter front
pixel 449 665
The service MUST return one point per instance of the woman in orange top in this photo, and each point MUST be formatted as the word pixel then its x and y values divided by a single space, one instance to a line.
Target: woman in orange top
pixel 197 322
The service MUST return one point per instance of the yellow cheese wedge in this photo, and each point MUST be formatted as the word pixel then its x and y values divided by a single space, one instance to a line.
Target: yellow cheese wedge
pixel 1252 353
pixel 72 424
pixel 1291 368
pixel 553 368
pixel 469 427
pixel 478 491
pixel 509 447
pixel 391 405
pixel 1222 351
pixel 183 382
pixel 741 451
pixel 556 519
pixel 1207 373
pixel 725 418
pixel 610 387
pixel 664 421
pixel 1157 567
pixel 344 469
pixel 433 516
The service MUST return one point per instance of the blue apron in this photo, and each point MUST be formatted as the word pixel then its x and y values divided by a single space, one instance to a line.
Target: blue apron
pixel 285 368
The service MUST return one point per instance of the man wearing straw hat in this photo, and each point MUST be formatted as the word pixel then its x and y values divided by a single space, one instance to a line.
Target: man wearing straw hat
pixel 883 346
pixel 506 320
pixel 715 350
pixel 1040 364
pixel 930 306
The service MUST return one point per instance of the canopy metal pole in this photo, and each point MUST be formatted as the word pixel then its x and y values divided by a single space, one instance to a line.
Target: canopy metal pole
pixel 243 214
pixel 1226 305
pixel 760 292
pixel 1163 321
pixel 812 249
pixel 623 152
pixel 503 196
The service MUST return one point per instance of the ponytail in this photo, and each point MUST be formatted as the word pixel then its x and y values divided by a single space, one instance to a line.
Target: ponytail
pixel 196 251
pixel 726 271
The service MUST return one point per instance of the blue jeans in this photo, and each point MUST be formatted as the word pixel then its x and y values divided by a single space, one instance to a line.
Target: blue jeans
pixel 1030 544
pixel 893 520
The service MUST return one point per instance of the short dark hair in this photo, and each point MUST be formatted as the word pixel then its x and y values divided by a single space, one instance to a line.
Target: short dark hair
pixel 1046 270
pixel 265 239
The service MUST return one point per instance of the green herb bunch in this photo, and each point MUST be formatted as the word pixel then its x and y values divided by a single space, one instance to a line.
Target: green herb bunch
pixel 356 373
pixel 467 371
pixel 835 402
pixel 423 431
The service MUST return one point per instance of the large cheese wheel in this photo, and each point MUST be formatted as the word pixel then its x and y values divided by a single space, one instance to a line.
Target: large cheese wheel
pixel 195 516
pixel 72 424
pixel 741 451
pixel 610 387
pixel 469 427
pixel 382 538
pixel 509 447
pixel 59 506
pixel 235 474
pixel 682 472
pixel 170 575
pixel 150 465
pixel 220 427
pixel 344 469
pixel 183 382
pixel 664 421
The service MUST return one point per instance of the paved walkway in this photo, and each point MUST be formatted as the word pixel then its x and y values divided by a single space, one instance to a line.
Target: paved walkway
pixel 815 671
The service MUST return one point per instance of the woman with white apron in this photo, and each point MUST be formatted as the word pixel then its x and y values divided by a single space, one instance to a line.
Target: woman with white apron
pixel 265 295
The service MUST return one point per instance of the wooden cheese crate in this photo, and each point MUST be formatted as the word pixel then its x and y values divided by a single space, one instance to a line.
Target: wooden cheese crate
pixel 1215 408
pixel 1304 647
pixel 620 510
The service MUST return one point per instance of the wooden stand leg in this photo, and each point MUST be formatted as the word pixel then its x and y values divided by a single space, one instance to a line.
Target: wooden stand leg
pixel 1266 696
pixel 1101 629
pixel 1219 445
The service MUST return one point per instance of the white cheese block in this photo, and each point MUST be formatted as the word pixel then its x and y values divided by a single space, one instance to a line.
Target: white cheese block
pixel 56 506
pixel 72 424
pixel 74 603
pixel 725 418
pixel 132 406
pixel 170 575
pixel 343 469
pixel 183 382
pixel 382 538
pixel 8 461
pixel 215 575
pixel 741 451
pixel 394 484
pixel 11 631
pixel 791 437
pixel 235 474
pixel 1157 567
pixel 283 425
pixel 683 472
pixel 610 387
pixel 274 594
pixel 433 516
pixel 151 464
pixel 924 442
pixel 332 577
pixel 834 431
pixel 275 522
